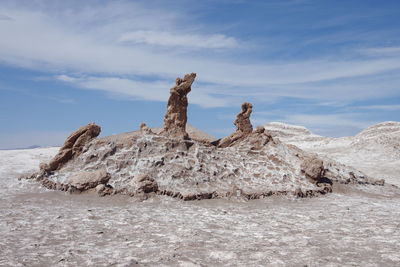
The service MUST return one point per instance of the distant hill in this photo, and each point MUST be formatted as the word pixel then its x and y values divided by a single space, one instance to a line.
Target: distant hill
pixel 375 150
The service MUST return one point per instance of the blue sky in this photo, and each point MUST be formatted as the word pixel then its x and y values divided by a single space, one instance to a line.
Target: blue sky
pixel 332 66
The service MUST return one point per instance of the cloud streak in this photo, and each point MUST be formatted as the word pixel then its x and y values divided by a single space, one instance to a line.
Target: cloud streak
pixel 380 107
pixel 138 90
pixel 190 41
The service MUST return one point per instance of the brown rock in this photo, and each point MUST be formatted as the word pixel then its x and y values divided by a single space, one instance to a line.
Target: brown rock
pixel 73 146
pixel 176 116
pixel 144 184
pixel 42 166
pixel 89 179
pixel 259 130
pixel 100 188
pixel 313 168
pixel 145 129
pixel 258 139
pixel 243 126
pixel 242 121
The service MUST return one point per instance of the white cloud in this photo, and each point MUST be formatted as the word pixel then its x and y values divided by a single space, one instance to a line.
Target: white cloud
pixel 90 44
pixel 65 78
pixel 141 90
pixel 153 91
pixel 191 41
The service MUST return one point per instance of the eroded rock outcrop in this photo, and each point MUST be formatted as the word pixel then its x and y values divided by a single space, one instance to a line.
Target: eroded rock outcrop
pixel 248 164
pixel 176 116
pixel 243 126
pixel 242 121
pixel 73 146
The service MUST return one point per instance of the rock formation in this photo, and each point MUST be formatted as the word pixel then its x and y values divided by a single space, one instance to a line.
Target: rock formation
pixel 144 128
pixel 89 179
pixel 375 151
pixel 143 183
pixel 313 168
pixel 176 116
pixel 247 164
pixel 242 121
pixel 243 126
pixel 73 146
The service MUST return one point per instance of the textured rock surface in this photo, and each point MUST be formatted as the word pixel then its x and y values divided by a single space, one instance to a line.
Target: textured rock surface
pixel 73 146
pixel 313 168
pixel 242 121
pixel 243 126
pixel 89 179
pixel 176 116
pixel 143 183
pixel 193 133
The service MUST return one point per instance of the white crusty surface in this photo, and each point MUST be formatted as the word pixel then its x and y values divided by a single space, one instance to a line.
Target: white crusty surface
pixel 18 163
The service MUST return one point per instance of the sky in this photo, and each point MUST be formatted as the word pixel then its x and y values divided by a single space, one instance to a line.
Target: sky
pixel 331 66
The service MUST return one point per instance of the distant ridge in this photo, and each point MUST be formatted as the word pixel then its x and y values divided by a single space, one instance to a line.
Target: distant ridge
pixel 375 150
pixel 22 148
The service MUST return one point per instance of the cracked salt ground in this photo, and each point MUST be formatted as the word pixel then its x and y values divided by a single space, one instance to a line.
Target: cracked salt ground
pixel 358 227
pixel 52 228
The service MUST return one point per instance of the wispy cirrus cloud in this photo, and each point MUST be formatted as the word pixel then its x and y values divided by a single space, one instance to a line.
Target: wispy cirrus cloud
pixel 191 41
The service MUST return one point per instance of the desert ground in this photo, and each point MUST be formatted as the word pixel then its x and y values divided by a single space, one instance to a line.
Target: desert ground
pixel 356 225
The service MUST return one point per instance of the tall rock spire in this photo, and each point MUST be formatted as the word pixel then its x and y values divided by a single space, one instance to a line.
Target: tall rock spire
pixel 176 116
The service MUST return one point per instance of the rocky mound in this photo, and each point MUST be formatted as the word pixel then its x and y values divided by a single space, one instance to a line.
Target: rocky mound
pixel 287 131
pixel 390 128
pixel 248 164
pixel 384 135
pixel 374 151
pixel 294 134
